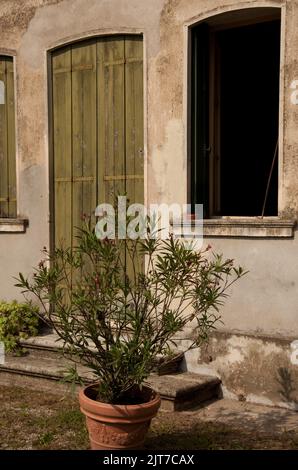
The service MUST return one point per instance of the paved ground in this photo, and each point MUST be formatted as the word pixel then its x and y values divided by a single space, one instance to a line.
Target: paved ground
pixel 249 416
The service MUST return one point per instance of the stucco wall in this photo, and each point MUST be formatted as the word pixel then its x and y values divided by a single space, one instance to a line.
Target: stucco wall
pixel 252 368
pixel 265 302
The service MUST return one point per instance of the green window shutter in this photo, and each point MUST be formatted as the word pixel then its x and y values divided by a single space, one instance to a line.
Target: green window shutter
pixel 111 119
pixel 134 120
pixel 84 141
pixel 120 118
pixel 62 145
pixel 7 140
pixel 97 94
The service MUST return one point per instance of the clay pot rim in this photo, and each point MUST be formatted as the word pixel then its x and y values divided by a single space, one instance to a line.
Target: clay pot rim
pixel 155 399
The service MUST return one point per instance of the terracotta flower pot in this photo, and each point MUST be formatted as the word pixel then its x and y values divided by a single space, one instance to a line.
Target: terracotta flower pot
pixel 118 426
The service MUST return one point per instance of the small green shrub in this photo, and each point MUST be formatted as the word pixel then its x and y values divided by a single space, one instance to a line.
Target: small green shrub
pixel 17 321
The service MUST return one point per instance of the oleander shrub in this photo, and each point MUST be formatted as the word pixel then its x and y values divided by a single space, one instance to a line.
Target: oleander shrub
pixel 119 323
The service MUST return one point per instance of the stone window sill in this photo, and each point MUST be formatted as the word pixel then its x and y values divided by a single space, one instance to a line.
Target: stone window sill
pixel 253 227
pixel 13 225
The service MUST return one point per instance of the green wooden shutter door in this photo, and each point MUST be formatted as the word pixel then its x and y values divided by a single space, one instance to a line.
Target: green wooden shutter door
pixel 97 128
pixel 111 121
pixel 84 142
pixel 62 133
pixel 134 117
pixel 120 123
pixel 7 141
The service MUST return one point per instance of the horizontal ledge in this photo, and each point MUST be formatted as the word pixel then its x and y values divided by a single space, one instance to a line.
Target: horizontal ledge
pixel 13 225
pixel 240 227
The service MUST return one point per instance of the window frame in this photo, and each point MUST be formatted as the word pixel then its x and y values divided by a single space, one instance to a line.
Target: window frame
pixel 17 224
pixel 230 226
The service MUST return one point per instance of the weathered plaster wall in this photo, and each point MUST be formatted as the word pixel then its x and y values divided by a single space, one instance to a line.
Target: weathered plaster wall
pixel 29 29
pixel 265 302
pixel 256 369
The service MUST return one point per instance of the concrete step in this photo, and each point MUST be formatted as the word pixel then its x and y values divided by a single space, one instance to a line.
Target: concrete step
pixel 44 367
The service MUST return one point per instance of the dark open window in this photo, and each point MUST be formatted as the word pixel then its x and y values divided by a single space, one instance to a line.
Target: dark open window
pixel 235 68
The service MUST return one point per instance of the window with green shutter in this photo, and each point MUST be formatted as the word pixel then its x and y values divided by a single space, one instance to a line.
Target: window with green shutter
pixel 7 139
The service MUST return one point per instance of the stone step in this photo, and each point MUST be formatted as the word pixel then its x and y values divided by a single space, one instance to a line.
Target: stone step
pixel 44 346
pixel 53 369
pixel 49 346
pixel 44 367
pixel 185 390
